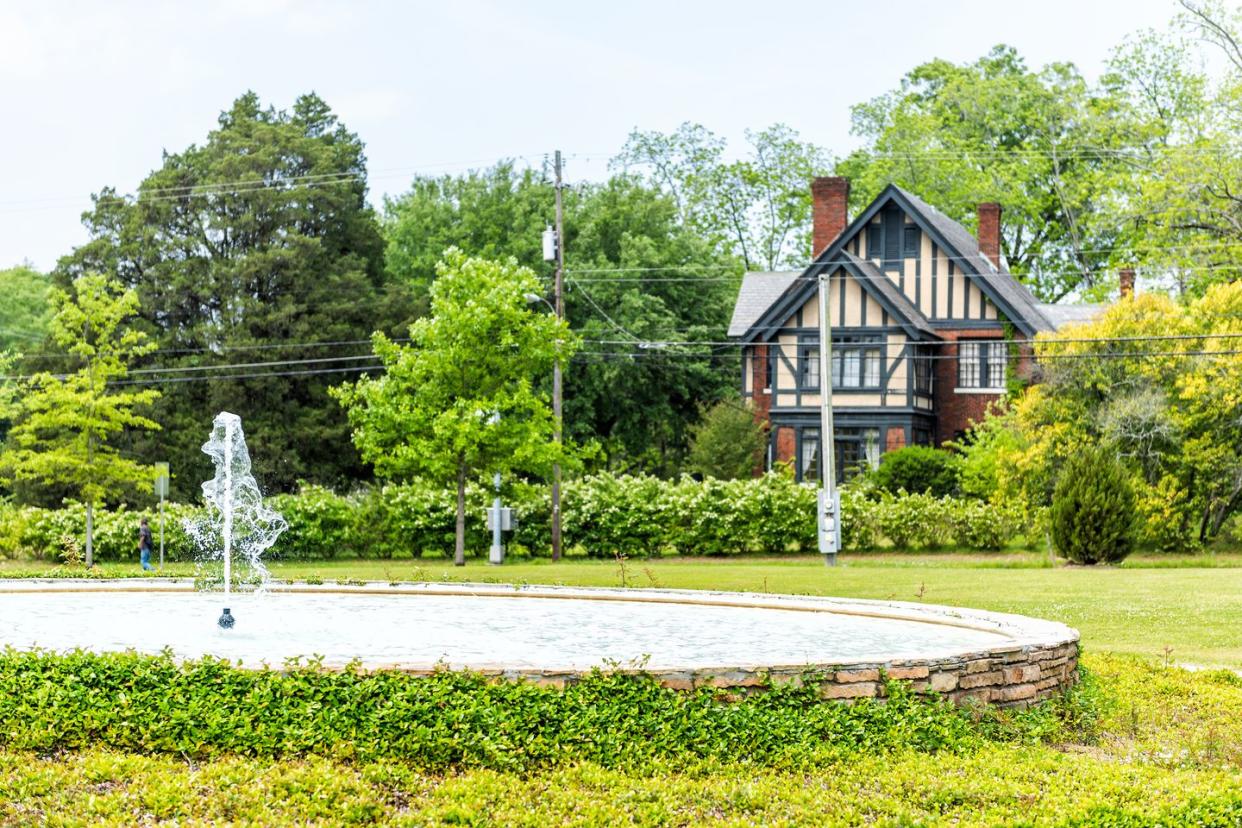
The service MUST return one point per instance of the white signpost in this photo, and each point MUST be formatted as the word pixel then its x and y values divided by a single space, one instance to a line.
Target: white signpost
pixel 161 491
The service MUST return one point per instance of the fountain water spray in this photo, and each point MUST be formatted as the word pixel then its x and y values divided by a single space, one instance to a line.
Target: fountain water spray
pixel 237 522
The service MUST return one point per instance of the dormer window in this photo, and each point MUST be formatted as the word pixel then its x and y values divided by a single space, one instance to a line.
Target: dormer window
pixel 890 239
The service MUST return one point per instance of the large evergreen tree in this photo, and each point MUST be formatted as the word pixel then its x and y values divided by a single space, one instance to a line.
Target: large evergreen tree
pixel 243 249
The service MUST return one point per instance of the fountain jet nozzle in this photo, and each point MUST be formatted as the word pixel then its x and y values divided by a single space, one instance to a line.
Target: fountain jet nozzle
pixel 226 620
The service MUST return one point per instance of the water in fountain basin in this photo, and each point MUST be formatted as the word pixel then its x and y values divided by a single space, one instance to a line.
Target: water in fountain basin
pixel 237 527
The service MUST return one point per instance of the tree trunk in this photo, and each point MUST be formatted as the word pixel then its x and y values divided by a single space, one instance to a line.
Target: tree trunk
pixel 459 552
pixel 90 534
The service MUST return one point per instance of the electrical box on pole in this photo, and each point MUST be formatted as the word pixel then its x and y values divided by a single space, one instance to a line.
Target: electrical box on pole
pixel 549 244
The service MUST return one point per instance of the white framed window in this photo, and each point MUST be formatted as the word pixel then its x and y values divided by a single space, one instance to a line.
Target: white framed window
pixel 981 363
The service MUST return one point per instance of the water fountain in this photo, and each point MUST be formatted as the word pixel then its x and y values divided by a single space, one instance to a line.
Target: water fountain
pixel 236 522
pixel 545 634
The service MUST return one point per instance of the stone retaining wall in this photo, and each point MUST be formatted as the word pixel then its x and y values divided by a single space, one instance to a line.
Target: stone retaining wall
pixel 1017 677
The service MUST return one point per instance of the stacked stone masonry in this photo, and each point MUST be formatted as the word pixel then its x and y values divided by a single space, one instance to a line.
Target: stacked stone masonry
pixel 1006 678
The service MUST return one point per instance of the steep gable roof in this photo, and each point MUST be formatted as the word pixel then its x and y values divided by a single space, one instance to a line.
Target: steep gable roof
pixel 1012 292
pixel 1005 291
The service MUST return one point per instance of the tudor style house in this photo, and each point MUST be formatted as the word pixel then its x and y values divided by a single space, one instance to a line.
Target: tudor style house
pixel 921 312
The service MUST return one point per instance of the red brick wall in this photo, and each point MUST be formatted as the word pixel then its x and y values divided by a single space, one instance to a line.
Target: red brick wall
pixel 785 444
pixel 989 231
pixel 758 384
pixel 830 200
pixel 895 438
pixel 956 412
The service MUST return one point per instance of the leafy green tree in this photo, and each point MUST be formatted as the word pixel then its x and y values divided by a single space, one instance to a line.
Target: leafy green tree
pixel 1184 216
pixel 1039 142
pixel 244 248
pixel 23 308
pixel 1092 514
pixel 727 443
pixel 756 208
pixel 636 277
pixel 68 427
pixel 462 399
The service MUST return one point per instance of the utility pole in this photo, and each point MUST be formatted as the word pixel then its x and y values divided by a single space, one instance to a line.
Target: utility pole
pixel 829 505
pixel 559 303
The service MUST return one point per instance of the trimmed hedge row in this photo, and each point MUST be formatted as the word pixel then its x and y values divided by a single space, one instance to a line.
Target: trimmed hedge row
pixel 153 704
pixel 604 516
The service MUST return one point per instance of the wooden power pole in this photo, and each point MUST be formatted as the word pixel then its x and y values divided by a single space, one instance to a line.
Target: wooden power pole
pixel 559 302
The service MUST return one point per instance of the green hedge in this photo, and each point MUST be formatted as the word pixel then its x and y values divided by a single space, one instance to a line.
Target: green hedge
pixel 604 515
pixel 153 704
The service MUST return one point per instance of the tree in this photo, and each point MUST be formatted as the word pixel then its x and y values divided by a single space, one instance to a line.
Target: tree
pixel 23 308
pixel 1159 384
pixel 727 443
pixel 462 398
pixel 756 208
pixel 1184 210
pixel 245 249
pixel 1092 515
pixel 636 277
pixel 67 427
pixel 1039 142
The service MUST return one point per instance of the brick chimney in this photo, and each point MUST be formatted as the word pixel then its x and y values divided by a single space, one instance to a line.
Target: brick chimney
pixel 830 200
pixel 1126 279
pixel 989 232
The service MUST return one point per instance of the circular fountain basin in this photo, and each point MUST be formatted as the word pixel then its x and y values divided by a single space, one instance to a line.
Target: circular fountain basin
pixel 552 635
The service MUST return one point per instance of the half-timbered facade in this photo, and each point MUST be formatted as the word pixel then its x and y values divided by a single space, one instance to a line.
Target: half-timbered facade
pixel 924 317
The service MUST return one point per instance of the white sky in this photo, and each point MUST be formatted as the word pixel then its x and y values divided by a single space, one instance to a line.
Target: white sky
pixel 92 93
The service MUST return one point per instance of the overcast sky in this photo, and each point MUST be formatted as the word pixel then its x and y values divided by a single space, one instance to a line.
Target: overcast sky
pixel 91 93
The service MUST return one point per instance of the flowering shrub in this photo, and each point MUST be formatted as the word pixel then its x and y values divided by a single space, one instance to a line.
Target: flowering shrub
pixel 603 515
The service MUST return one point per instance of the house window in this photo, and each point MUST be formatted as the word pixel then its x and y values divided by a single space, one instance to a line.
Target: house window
pixel 854 450
pixel 808 455
pixel 981 364
pixel 808 366
pixel 922 361
pixel 873 241
pixel 910 242
pixel 856 362
pixel 921 436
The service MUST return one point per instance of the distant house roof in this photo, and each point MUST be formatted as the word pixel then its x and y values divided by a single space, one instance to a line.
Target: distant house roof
pixel 766 296
pixel 1062 315
pixel 758 292
pixel 1014 292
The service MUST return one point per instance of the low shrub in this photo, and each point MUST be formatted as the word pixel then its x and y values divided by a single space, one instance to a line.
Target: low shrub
pixel 919 470
pixel 1093 511
pixel 603 516
pixel 154 704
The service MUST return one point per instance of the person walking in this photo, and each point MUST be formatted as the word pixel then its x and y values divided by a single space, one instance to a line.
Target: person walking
pixel 144 544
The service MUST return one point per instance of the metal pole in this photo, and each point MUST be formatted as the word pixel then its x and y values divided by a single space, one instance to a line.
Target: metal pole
pixel 161 532
pixel 498 549
pixel 559 302
pixel 828 508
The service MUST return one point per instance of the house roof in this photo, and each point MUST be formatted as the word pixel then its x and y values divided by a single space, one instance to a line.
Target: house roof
pixel 879 285
pixel 758 293
pixel 1014 293
pixel 1062 315
pixel 1010 295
